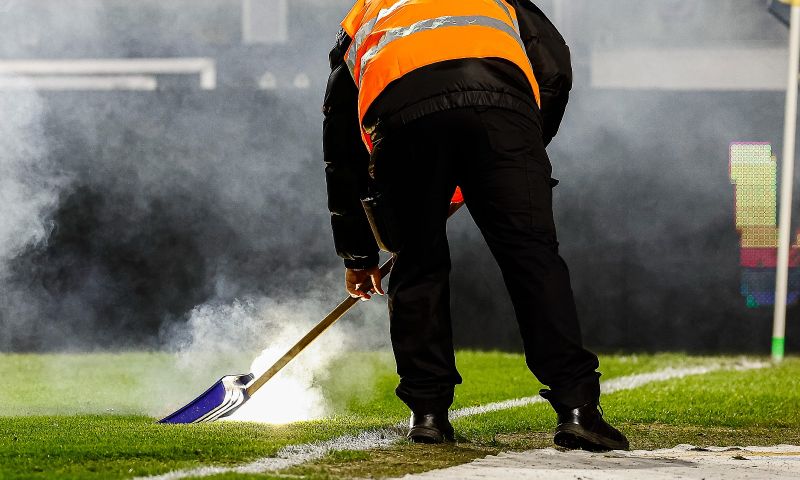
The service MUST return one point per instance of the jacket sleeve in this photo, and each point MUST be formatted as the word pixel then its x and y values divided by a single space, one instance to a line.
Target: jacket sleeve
pixel 346 164
pixel 551 62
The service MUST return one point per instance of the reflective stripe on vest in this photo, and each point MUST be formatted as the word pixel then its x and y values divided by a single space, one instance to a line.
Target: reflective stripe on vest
pixel 400 32
pixel 390 38
pixel 366 29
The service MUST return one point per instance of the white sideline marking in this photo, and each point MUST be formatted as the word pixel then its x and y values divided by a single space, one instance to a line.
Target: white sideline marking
pixel 293 455
pixel 206 67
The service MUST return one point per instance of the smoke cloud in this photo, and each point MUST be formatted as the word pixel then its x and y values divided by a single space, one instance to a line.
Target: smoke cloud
pixel 30 186
pixel 223 339
pixel 29 182
pixel 181 220
pixel 166 219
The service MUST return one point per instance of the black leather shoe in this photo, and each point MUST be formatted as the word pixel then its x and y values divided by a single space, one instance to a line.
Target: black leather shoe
pixel 584 428
pixel 430 428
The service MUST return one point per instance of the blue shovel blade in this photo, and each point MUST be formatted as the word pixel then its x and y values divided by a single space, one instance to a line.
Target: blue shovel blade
pixel 220 400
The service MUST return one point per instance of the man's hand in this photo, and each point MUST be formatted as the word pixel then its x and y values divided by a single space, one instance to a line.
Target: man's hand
pixel 361 283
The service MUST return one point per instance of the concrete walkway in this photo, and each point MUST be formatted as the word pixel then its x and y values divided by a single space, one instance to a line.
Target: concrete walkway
pixel 681 462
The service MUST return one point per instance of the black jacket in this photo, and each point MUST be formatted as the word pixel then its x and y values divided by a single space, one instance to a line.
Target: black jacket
pixel 457 83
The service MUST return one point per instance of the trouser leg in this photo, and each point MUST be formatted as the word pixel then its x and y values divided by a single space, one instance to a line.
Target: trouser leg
pixel 413 169
pixel 507 188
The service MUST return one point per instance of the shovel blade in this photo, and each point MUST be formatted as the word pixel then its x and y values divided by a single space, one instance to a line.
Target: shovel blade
pixel 220 400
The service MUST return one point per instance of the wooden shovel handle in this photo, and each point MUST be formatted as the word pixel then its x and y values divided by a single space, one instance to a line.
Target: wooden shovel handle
pixel 312 335
pixel 315 332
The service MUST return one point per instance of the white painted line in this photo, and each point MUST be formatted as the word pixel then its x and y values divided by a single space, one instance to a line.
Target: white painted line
pixel 71 83
pixel 298 454
pixel 610 386
pixel 681 462
pixel 205 67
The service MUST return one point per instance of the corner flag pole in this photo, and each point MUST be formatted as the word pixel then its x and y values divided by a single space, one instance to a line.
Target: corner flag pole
pixel 787 182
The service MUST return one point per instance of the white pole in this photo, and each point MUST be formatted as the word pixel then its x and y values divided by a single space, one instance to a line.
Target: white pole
pixel 787 182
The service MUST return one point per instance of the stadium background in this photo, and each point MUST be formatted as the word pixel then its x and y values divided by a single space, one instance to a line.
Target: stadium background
pixel 170 198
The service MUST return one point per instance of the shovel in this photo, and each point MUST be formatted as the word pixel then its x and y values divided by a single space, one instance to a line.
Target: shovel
pixel 231 391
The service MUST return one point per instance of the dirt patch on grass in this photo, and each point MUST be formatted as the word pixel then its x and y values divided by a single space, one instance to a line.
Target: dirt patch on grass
pixel 654 436
pixel 397 461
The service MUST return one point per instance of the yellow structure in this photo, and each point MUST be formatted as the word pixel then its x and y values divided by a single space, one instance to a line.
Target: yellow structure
pixel 753 170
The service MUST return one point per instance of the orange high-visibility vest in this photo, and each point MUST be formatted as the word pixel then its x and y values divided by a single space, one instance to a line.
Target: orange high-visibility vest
pixel 390 38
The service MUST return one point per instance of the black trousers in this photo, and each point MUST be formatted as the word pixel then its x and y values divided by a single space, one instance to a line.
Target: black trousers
pixel 498 158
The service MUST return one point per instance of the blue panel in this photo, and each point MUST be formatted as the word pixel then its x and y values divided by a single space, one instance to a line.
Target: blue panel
pixel 758 286
pixel 200 406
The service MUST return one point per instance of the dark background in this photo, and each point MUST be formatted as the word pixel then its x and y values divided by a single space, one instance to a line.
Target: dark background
pixel 179 197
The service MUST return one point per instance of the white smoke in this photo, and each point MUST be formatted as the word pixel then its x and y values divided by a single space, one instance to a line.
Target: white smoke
pixel 223 339
pixel 29 180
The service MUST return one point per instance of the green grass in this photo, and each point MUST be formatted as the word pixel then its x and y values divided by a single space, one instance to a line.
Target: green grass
pixel 488 377
pixel 87 415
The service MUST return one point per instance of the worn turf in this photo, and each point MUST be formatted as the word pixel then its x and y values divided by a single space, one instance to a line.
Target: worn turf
pixel 72 416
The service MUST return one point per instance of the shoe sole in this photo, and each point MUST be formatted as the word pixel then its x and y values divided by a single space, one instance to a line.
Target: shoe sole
pixel 428 435
pixel 573 437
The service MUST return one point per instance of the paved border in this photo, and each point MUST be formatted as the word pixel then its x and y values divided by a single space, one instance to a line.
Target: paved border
pixel 293 455
pixel 682 462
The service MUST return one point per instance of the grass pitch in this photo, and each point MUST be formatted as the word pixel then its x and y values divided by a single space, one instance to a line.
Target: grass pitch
pixel 80 416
